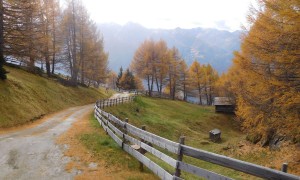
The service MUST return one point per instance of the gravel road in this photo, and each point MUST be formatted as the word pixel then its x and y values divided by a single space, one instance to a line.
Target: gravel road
pixel 32 153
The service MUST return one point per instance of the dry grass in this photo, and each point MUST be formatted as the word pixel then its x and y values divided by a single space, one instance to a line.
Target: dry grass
pixel 89 144
pixel 25 97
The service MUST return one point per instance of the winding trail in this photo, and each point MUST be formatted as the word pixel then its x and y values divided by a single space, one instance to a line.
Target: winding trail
pixel 31 153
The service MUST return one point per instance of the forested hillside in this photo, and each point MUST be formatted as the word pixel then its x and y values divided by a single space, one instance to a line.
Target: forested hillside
pixel 58 39
pixel 166 72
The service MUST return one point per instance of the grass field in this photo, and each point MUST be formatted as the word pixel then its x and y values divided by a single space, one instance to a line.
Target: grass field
pixel 25 97
pixel 119 164
pixel 171 119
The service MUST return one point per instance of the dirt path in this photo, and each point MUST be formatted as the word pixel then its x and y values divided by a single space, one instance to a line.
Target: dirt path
pixel 33 154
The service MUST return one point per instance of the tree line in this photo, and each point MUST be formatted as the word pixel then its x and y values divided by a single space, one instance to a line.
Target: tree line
pixel 164 70
pixel 40 31
pixel 265 76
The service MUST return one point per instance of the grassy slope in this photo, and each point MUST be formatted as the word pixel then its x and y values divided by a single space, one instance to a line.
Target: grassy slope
pixel 104 148
pixel 25 97
pixel 170 119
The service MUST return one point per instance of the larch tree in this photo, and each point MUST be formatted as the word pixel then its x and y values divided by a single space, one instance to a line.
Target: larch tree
pixel 50 12
pixel 211 76
pixel 143 63
pixel 174 71
pixel 23 30
pixel 197 74
pixel 111 81
pixel 159 65
pixel 265 76
pixel 70 28
pixel 83 46
pixel 184 78
pixel 161 60
pixel 138 83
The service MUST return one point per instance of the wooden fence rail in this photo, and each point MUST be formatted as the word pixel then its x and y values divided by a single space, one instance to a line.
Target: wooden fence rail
pixel 126 136
pixel 113 102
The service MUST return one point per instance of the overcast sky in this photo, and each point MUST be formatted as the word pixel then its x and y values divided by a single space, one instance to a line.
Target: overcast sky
pixel 169 14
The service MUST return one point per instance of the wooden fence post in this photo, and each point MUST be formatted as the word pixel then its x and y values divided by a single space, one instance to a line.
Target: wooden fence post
pixel 125 132
pixel 180 156
pixel 141 150
pixel 106 124
pixel 284 167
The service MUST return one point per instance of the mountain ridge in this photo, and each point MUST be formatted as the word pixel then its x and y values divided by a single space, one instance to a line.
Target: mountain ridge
pixel 206 45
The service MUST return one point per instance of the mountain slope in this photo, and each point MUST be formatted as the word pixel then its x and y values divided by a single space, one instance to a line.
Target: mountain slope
pixel 206 45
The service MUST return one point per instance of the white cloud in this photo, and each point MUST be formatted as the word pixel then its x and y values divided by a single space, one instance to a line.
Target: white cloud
pixel 171 13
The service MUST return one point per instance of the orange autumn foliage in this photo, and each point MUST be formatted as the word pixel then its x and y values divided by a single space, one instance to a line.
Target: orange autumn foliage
pixel 265 76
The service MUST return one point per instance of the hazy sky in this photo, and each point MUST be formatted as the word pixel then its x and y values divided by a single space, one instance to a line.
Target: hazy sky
pixel 168 14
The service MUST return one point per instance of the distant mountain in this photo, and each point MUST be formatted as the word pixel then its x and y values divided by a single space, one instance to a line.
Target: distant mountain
pixel 206 45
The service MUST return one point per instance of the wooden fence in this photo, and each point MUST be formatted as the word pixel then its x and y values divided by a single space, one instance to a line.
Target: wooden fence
pixel 113 102
pixel 137 141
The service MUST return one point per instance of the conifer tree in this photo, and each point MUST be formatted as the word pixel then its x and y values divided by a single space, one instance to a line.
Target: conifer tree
pixel 127 81
pixel 118 82
pixel 196 74
pixel 265 76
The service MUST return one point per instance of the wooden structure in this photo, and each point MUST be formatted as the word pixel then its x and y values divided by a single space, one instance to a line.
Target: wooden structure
pixel 215 135
pixel 114 102
pixel 224 105
pixel 131 139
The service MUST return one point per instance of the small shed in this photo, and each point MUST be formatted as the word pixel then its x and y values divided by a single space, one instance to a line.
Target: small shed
pixel 224 105
pixel 215 135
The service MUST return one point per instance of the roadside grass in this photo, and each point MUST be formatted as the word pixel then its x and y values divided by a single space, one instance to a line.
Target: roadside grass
pixel 171 119
pixel 25 97
pixel 105 149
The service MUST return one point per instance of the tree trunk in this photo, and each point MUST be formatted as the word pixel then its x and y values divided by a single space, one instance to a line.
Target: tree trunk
pixel 2 70
pixel 200 98
pixel 75 65
pixel 174 90
pixel 149 86
pixel 53 45
pixel 157 85
pixel 47 59
pixel 207 97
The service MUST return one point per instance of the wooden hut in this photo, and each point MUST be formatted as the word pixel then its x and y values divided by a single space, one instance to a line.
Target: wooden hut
pixel 224 105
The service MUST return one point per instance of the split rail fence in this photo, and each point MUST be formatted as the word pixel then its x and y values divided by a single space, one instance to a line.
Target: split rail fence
pixel 136 142
pixel 113 102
